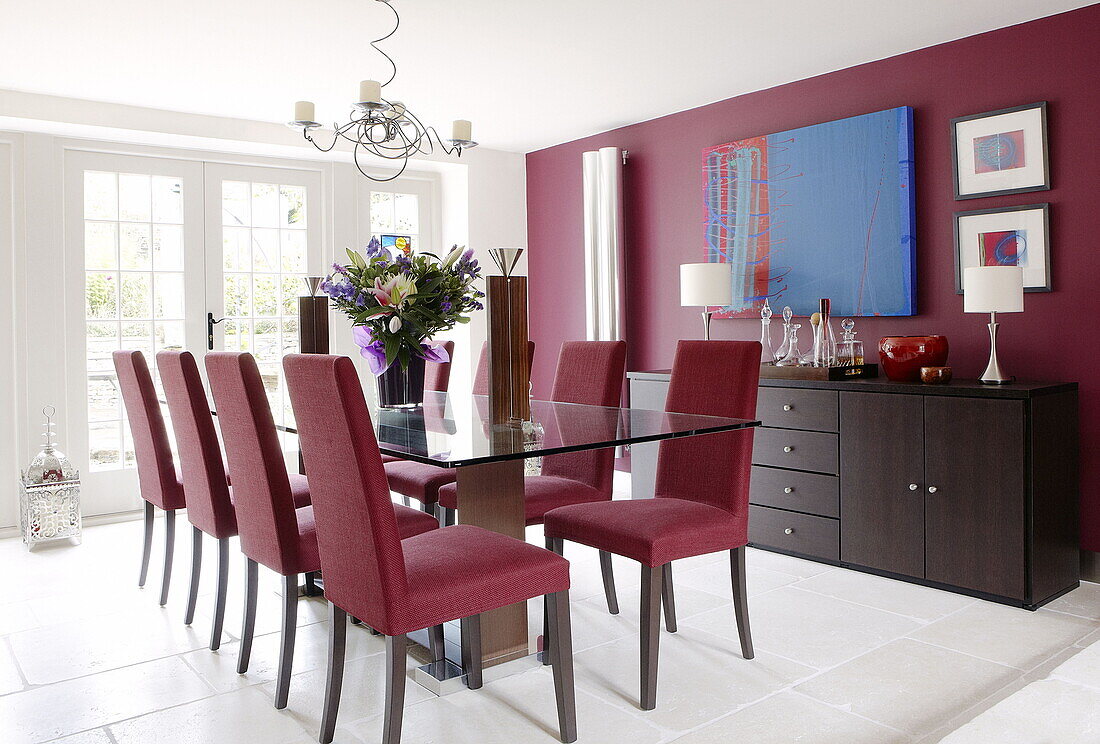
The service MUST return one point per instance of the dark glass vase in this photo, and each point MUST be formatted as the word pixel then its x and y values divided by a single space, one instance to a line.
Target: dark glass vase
pixel 402 388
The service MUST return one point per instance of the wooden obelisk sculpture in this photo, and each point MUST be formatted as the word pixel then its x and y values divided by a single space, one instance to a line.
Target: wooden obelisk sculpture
pixel 509 361
pixel 313 319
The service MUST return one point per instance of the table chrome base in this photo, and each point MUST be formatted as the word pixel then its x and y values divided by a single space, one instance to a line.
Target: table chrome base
pixel 446 677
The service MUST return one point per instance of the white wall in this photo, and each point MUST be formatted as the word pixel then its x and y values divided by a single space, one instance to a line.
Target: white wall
pixel 480 202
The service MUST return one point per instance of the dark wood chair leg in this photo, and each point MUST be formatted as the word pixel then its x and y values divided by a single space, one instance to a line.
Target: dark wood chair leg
pixel 395 688
pixel 169 553
pixel 334 681
pixel 651 633
pixel 147 544
pixel 196 574
pixel 435 643
pixel 311 589
pixel 248 627
pixel 219 597
pixel 450 517
pixel 609 582
pixel 741 600
pixel 564 688
pixel 356 621
pixel 286 647
pixel 471 650
pixel 554 545
pixel 668 599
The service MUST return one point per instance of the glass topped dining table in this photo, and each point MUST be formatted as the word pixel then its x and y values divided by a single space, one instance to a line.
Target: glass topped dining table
pixel 456 432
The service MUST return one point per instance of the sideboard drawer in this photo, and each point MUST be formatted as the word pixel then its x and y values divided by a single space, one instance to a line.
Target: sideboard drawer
pixel 812 493
pixel 818 410
pixel 818 537
pixel 797 450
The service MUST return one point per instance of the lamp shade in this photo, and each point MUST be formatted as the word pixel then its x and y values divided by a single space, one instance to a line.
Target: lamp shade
pixel 993 289
pixel 704 284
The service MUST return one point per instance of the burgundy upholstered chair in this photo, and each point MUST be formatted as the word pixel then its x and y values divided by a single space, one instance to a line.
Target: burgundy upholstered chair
pixel 401 585
pixel 273 531
pixel 591 373
pixel 205 482
pixel 437 377
pixel 157 477
pixel 702 494
pixel 415 480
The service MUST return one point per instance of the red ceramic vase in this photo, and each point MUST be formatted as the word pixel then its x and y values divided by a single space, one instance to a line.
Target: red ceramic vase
pixel 903 356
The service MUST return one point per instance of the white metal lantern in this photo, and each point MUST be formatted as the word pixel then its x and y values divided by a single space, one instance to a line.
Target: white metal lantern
pixel 49 493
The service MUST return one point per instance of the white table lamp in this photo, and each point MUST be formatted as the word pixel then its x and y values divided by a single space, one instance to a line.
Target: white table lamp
pixel 993 289
pixel 706 285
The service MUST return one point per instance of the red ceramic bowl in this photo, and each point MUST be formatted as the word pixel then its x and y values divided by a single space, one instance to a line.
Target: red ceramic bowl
pixel 903 356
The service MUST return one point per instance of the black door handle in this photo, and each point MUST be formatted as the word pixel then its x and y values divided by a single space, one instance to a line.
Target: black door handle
pixel 210 323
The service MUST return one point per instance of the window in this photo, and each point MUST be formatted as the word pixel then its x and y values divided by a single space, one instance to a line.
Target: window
pixel 395 217
pixel 133 292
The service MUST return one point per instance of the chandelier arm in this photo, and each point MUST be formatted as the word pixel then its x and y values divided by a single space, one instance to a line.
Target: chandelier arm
pixel 377 179
pixel 376 42
pixel 310 140
pixel 448 150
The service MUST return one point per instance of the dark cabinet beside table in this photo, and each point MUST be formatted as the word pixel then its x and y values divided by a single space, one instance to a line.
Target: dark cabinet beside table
pixel 966 487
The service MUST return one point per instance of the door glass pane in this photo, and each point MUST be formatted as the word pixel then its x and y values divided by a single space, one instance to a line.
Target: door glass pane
pixel 264 252
pixel 133 292
pixel 395 220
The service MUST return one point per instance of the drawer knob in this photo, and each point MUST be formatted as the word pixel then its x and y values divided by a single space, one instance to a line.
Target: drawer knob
pixel 788 407
pixel 788 448
pixel 932 489
pixel 789 531
pixel 913 486
pixel 788 489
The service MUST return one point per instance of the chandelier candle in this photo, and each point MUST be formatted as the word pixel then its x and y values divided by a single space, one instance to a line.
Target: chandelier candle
pixel 304 111
pixel 462 130
pixel 370 91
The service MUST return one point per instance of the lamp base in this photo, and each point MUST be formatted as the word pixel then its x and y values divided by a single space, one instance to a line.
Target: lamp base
pixel 706 324
pixel 993 375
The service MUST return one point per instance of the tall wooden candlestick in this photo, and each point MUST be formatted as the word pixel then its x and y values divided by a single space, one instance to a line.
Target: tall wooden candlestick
pixel 313 320
pixel 509 362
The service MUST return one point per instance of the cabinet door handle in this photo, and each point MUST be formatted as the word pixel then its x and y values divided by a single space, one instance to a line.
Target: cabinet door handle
pixel 788 489
pixel 788 407
pixel 913 486
pixel 932 489
pixel 788 448
pixel 789 531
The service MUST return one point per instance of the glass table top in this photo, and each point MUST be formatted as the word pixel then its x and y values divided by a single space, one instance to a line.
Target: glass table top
pixel 450 432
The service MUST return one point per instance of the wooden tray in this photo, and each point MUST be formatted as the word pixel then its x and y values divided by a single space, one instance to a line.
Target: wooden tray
pixel 770 371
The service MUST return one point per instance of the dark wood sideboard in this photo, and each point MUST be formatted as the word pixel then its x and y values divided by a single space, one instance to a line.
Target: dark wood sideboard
pixel 965 487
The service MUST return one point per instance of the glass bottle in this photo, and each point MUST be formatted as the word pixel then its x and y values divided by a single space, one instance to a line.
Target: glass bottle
pixel 824 338
pixel 808 356
pixel 850 350
pixel 785 344
pixel 793 357
pixel 767 352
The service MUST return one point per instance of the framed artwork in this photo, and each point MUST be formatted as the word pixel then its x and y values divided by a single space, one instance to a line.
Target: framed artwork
pixel 1001 152
pixel 402 243
pixel 1006 236
pixel 820 211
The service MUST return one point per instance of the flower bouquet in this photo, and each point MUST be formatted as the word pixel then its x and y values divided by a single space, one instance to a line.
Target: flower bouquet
pixel 397 304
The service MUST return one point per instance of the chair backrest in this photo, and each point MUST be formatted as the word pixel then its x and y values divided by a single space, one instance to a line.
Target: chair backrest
pixel 481 375
pixel 357 535
pixel 712 378
pixel 589 372
pixel 155 466
pixel 208 504
pixel 437 375
pixel 262 497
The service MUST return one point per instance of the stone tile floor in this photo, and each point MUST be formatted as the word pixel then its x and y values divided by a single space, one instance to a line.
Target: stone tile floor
pixel 842 657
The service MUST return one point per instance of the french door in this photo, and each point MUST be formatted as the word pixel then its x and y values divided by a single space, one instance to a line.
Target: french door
pixel 155 247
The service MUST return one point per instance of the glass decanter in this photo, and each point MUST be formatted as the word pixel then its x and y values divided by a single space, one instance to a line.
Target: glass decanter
pixel 785 344
pixel 850 350
pixel 767 352
pixel 824 338
pixel 808 356
pixel 793 357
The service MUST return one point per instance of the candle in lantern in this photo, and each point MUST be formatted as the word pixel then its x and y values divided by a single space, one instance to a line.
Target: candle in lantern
pixel 304 111
pixel 397 109
pixel 462 130
pixel 370 91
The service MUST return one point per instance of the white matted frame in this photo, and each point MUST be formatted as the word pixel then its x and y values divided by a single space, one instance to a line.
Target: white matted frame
pixel 1033 220
pixel 1001 152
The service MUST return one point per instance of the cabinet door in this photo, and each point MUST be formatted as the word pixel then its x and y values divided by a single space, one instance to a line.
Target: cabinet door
pixel 974 504
pixel 881 459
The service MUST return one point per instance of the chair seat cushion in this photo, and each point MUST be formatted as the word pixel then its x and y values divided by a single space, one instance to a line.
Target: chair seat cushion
pixel 390 458
pixel 413 521
pixel 456 572
pixel 418 480
pixel 541 493
pixel 650 531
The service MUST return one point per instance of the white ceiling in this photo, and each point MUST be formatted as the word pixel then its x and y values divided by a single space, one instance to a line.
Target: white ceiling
pixel 529 74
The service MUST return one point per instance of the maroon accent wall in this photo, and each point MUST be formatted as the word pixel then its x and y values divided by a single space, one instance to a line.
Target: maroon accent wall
pixel 1055 59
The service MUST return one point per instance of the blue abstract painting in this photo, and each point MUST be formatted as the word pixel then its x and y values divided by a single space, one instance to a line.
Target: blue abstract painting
pixel 821 211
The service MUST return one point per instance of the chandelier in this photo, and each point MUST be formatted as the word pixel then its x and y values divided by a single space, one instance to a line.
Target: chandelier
pixel 383 128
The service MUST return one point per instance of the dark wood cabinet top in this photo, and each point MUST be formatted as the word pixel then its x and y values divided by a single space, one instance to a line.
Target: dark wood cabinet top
pixel 964 388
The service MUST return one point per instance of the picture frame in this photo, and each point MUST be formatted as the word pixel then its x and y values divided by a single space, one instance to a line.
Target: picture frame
pixel 1005 236
pixel 1001 152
